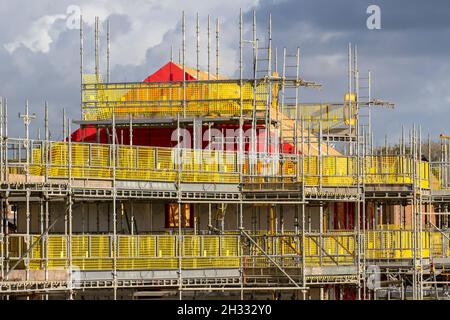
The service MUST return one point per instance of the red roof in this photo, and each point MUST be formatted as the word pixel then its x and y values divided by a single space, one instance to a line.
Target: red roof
pixel 157 136
pixel 169 72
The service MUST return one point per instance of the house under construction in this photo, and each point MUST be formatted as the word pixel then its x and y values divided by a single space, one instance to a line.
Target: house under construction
pixel 191 184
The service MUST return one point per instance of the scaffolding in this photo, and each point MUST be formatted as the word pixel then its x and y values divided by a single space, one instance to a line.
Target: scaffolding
pixel 323 219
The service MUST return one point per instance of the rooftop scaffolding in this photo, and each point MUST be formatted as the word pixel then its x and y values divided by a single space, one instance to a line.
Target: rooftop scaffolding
pixel 302 202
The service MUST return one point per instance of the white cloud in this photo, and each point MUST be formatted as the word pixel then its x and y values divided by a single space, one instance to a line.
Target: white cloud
pixel 149 21
pixel 37 38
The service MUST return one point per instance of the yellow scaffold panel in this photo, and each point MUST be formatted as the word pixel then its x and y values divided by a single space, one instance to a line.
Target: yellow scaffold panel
pixel 203 166
pixel 153 99
pixel 95 252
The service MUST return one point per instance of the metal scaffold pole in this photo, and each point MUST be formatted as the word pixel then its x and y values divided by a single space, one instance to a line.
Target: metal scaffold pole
pixel 269 85
pixel 208 70
pixel 241 101
pixel 183 57
pixel 81 66
pixel 217 48
pixel 5 139
pixel 369 114
pixel 97 50
pixel 3 215
pixel 27 117
pixel 255 84
pixel 69 210
pixel 179 164
pixel 349 99
pixel 28 236
pixel 360 188
pixel 283 95
pixel 241 152
pixel 2 168
pixel 420 215
pixel 108 53
pixel 414 215
pixel 197 30
pixel 363 203
pixel 114 205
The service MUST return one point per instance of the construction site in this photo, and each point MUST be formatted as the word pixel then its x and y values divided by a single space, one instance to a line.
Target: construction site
pixel 194 185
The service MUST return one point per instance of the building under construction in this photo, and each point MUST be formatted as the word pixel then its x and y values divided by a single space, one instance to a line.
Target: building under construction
pixel 191 184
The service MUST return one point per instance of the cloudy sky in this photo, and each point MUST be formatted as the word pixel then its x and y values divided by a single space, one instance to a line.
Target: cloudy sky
pixel 409 57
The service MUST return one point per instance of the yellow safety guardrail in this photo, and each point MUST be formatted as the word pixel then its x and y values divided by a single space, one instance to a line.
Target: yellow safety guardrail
pixel 320 250
pixel 330 170
pixel 440 176
pixel 95 252
pixel 151 99
pixel 137 163
pixel 214 166
pixel 395 170
pixel 327 115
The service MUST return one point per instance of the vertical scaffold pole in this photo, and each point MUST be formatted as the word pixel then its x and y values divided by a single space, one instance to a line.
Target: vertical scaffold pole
pixel 2 176
pixel 420 214
pixel 69 203
pixel 217 48
pixel 45 195
pixel 414 215
pixel 349 106
pixel 5 208
pixel 108 52
pixel 197 29
pixel 277 115
pixel 97 50
pixel 46 143
pixel 131 129
pixel 360 184
pixel 363 181
pixel 6 138
pixel 209 47
pixel 64 124
pixel 6 235
pixel 114 205
pixel 81 66
pixel 297 106
pixel 183 56
pixel 28 236
pixel 3 221
pixel 41 231
pixel 179 236
pixel 46 235
pixel 255 83
pixel 283 94
pixel 369 133
pixel 276 61
pixel 5 204
pixel 180 213
pixel 269 85
pixel 241 101
pixel 27 117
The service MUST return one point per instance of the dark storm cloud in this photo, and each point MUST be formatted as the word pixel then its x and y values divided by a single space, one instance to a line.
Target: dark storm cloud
pixel 409 56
